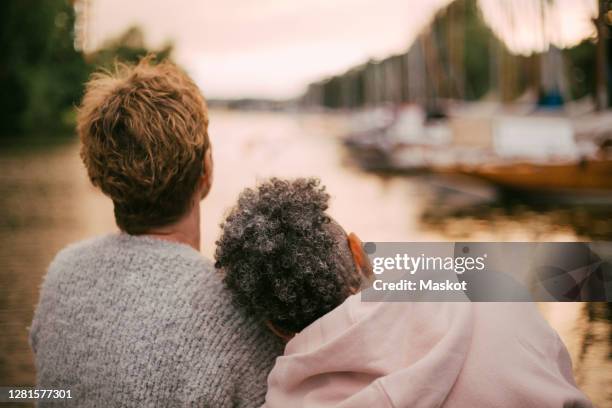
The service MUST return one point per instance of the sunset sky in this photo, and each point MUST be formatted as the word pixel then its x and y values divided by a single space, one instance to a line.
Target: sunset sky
pixel 274 48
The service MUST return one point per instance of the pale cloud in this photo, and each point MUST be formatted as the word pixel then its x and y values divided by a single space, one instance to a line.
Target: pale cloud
pixel 528 26
pixel 266 48
pixel 274 48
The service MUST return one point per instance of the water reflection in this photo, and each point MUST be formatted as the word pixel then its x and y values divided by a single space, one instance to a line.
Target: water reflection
pixel 46 202
pixel 470 209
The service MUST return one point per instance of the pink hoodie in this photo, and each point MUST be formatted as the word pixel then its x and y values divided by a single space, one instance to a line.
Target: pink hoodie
pixel 425 355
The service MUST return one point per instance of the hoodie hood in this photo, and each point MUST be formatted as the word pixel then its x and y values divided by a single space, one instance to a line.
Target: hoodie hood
pixel 401 354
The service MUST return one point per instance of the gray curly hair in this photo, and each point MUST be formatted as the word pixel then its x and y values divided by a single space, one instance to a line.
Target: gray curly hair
pixel 283 257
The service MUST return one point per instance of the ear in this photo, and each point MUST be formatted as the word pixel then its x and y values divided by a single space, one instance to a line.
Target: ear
pixel 283 334
pixel 359 256
pixel 207 170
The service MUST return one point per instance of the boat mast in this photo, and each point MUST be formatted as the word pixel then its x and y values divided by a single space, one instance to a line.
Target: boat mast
pixel 601 83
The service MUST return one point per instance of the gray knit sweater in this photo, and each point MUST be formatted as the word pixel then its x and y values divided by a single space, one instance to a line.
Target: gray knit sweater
pixel 134 321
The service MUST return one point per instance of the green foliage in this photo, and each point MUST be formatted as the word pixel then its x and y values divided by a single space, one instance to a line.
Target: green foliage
pixel 128 47
pixel 477 56
pixel 41 73
pixel 581 66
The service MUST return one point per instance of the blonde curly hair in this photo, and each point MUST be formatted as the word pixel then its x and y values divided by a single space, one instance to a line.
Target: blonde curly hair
pixel 144 134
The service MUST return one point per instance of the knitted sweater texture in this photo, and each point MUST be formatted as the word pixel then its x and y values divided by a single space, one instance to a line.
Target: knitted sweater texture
pixel 140 322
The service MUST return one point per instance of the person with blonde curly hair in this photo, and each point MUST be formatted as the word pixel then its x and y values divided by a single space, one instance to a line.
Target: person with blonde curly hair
pixel 140 318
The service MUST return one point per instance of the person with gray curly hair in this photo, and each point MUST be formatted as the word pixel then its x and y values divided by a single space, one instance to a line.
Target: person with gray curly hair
pixel 284 258
pixel 291 265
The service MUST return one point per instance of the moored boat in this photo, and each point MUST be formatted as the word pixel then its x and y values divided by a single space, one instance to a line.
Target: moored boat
pixel 584 176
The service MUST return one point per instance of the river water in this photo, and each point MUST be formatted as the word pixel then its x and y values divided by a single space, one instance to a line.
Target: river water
pixel 46 202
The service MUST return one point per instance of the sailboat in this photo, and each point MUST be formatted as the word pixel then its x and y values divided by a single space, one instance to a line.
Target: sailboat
pixel 540 155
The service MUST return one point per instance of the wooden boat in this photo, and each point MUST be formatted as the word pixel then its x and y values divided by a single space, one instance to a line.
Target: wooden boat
pixel 539 155
pixel 586 176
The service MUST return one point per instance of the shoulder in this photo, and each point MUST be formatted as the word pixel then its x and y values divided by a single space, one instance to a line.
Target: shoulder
pixel 127 250
pixel 75 257
pixel 211 298
pixel 76 250
pixel 242 339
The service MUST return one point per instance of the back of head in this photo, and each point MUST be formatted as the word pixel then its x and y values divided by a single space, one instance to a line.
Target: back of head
pixel 283 257
pixel 144 133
